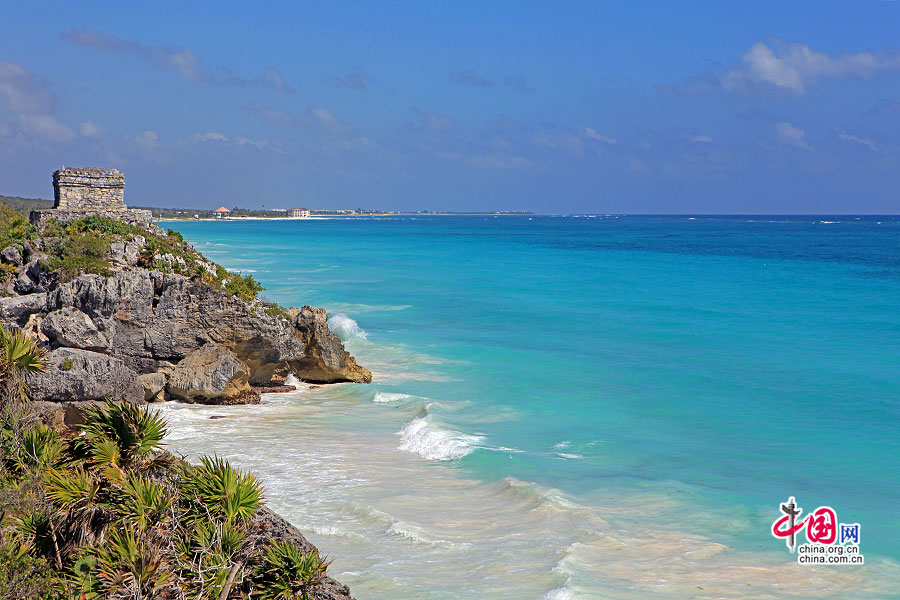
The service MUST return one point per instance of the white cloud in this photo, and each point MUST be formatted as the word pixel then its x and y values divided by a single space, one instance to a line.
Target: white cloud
pixel 792 136
pixel 147 140
pixel 90 129
pixel 591 133
pixel 701 139
pixel 22 93
pixel 212 136
pixel 790 67
pixel 870 144
pixel 46 127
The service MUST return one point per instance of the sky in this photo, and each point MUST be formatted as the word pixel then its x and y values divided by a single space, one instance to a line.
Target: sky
pixel 562 107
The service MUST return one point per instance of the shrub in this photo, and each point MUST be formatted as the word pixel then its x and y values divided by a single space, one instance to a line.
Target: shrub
pixel 67 364
pixel 243 286
pixel 287 573
pixel 14 228
pixel 83 252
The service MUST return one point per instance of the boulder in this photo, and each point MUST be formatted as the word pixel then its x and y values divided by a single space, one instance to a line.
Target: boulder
pixel 72 328
pixel 16 309
pixel 32 278
pixel 154 386
pixel 60 415
pixel 212 375
pixel 78 375
pixel 326 361
pixel 10 255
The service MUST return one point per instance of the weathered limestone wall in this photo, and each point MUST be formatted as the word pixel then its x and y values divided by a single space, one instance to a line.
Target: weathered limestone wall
pixel 86 191
pixel 135 216
pixel 89 188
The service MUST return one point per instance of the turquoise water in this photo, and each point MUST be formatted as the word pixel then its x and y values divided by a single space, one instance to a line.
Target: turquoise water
pixel 675 377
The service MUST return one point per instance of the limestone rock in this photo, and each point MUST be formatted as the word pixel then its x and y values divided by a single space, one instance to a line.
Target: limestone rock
pixel 154 386
pixel 60 415
pixel 274 527
pixel 10 255
pixel 150 317
pixel 212 375
pixel 326 360
pixel 72 328
pixel 16 309
pixel 77 375
pixel 32 278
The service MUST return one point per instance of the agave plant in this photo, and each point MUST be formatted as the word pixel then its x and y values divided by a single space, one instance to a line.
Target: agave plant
pixel 20 356
pixel 221 492
pixel 286 573
pixel 121 436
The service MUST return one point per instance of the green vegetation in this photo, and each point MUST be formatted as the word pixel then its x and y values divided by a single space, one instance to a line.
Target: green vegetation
pixel 25 205
pixel 14 228
pixel 108 514
pixel 275 310
pixel 83 246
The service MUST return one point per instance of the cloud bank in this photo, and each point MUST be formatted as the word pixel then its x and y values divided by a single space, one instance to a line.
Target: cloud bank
pixel 182 60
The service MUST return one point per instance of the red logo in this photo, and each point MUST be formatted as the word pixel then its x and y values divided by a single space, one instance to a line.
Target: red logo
pixel 821 524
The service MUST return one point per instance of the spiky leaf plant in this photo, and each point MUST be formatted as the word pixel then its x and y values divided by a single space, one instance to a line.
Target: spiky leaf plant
pixel 40 450
pixel 20 356
pixel 286 573
pixel 221 492
pixel 122 435
pixel 77 495
pixel 143 503
pixel 126 566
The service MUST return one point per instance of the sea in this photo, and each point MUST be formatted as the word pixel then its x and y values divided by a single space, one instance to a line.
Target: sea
pixel 578 407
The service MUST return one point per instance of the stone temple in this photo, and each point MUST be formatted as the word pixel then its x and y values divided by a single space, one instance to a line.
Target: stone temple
pixel 85 191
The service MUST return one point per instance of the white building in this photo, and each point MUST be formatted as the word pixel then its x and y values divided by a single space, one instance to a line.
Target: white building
pixel 298 213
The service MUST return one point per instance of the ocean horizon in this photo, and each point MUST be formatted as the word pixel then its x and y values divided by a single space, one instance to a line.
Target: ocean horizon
pixel 598 406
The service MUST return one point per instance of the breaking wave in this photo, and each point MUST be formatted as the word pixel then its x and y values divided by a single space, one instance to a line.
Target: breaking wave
pixel 421 436
pixel 382 397
pixel 345 328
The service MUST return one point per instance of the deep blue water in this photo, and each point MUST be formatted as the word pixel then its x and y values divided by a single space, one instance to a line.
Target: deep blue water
pixel 720 363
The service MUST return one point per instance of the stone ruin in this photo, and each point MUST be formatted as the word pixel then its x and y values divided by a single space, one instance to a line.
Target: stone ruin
pixel 87 191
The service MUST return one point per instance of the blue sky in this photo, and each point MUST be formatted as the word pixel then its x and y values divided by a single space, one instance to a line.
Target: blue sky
pixel 725 107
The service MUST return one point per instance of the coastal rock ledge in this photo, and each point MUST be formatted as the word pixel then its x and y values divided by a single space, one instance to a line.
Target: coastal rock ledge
pixel 205 345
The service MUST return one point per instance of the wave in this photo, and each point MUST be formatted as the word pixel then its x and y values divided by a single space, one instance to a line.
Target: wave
pixel 382 397
pixel 345 328
pixel 563 593
pixel 421 436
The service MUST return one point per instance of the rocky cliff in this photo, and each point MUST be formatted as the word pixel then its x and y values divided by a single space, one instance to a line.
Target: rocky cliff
pixel 148 334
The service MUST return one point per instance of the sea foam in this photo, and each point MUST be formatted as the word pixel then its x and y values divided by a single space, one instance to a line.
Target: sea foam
pixel 345 328
pixel 383 397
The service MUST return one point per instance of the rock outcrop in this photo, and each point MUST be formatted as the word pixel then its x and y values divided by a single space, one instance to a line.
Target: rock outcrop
pixel 79 375
pixel 276 528
pixel 150 319
pixel 149 322
pixel 212 375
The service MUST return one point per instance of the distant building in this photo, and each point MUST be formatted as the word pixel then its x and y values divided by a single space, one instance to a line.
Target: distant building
pixel 221 212
pixel 298 213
